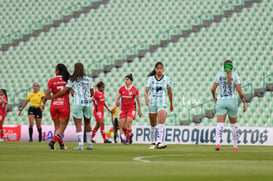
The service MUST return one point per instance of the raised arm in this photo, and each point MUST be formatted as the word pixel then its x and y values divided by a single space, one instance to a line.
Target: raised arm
pixel 213 90
pixel 241 95
pixel 170 94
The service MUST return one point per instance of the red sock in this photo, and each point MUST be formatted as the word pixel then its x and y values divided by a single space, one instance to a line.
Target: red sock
pixel 60 141
pixel 103 133
pixel 128 134
pixel 55 138
pixel 1 132
pixel 94 132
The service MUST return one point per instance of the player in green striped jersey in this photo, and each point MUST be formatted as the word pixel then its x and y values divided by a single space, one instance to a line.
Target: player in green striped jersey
pixel 226 103
pixel 159 86
pixel 81 87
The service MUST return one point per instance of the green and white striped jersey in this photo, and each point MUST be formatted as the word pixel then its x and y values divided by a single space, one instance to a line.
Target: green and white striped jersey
pixel 226 91
pixel 81 88
pixel 158 90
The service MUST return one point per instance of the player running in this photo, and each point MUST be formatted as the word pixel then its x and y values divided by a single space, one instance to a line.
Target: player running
pixel 128 94
pixel 82 90
pixel 59 108
pixel 99 104
pixel 160 86
pixel 3 112
pixel 35 110
pixel 226 103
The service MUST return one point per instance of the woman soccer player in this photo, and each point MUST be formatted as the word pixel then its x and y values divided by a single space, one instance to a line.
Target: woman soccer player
pixel 115 122
pixel 3 112
pixel 160 85
pixel 99 104
pixel 59 108
pixel 226 103
pixel 128 94
pixel 82 89
pixel 35 110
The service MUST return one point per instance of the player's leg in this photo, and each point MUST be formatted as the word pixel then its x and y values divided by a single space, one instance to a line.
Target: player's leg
pixel 94 131
pixel 221 113
pixel 153 123
pixel 88 128
pixel 30 128
pixel 115 130
pixel 77 114
pixel 161 116
pixel 39 128
pixel 232 115
pixel 129 122
pixel 122 126
pixel 1 128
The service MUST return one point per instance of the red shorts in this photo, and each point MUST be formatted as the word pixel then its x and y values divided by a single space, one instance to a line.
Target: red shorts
pixel 99 115
pixel 61 112
pixel 127 113
pixel 2 117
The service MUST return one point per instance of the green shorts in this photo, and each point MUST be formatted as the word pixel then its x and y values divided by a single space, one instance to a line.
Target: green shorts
pixel 227 106
pixel 78 111
pixel 155 109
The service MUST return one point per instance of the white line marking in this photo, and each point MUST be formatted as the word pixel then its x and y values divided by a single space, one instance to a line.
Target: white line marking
pixel 141 158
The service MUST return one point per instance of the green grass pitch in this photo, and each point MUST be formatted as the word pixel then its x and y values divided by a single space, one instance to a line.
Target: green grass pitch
pixel 116 162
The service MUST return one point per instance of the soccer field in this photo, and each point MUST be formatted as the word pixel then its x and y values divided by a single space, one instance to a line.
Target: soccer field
pixel 34 161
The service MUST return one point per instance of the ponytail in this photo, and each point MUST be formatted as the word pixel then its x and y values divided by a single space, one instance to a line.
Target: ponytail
pixel 152 73
pixel 63 71
pixel 228 69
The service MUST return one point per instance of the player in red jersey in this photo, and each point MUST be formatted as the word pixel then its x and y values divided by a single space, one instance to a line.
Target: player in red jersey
pixel 99 104
pixel 128 94
pixel 59 108
pixel 3 112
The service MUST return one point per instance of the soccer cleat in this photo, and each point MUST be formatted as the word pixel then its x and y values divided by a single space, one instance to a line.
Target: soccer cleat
pixel 152 146
pixel 1 139
pixel 90 147
pixel 217 147
pixel 161 146
pixel 51 145
pixel 93 141
pixel 235 149
pixel 131 139
pixel 63 147
pixel 107 141
pixel 78 148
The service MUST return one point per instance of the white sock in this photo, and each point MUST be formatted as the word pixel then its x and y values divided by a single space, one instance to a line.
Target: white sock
pixel 234 128
pixel 219 132
pixel 160 128
pixel 80 138
pixel 153 129
pixel 123 136
pixel 89 138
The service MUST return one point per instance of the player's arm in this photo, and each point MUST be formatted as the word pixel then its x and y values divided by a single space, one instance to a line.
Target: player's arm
pixel 170 95
pixel 139 106
pixel 61 93
pixel 107 107
pixel 116 102
pixel 2 100
pixel 213 90
pixel 23 106
pixel 47 94
pixel 146 93
pixel 91 92
pixel 241 95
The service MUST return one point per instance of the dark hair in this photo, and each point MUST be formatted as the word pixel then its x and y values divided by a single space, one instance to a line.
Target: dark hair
pixel 63 71
pixel 99 84
pixel 153 72
pixel 130 76
pixel 228 74
pixel 78 72
pixel 5 93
